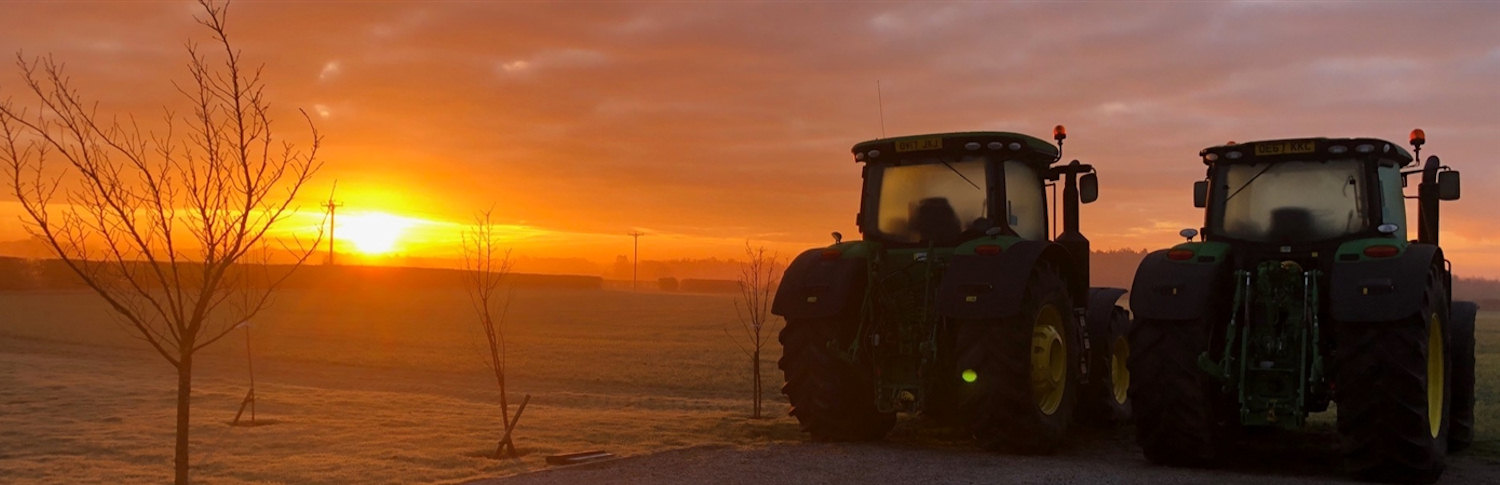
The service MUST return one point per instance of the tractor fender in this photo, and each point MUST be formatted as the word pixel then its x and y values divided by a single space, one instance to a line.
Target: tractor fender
pixel 1175 290
pixel 991 286
pixel 1101 311
pixel 1381 290
pixel 816 287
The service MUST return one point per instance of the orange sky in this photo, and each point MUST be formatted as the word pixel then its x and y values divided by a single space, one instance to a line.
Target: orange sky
pixel 706 124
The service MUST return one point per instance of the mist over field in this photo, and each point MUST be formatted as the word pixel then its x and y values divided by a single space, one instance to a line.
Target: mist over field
pixel 374 385
pixel 375 380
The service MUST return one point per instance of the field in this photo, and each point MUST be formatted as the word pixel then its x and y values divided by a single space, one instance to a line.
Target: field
pixel 374 388
pixel 390 387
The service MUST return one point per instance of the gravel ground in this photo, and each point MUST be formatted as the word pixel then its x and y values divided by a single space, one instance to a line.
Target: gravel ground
pixel 1105 460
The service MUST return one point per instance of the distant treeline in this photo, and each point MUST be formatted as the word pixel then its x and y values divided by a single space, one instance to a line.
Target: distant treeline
pixel 51 274
pixel 1115 267
pixel 1110 268
pixel 1484 291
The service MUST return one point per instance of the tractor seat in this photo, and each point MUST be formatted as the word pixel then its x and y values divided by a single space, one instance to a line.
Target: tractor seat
pixel 935 221
pixel 1290 224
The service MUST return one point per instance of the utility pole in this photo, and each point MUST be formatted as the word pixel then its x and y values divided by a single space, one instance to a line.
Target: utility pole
pixel 635 262
pixel 333 208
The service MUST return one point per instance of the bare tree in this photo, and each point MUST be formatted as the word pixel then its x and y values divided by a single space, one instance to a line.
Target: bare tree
pixel 487 267
pixel 164 226
pixel 757 281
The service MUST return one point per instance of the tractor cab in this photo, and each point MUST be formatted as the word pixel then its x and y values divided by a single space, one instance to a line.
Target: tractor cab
pixel 1303 197
pixel 940 190
pixel 959 302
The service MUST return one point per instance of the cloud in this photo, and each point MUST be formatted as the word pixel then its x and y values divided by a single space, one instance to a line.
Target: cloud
pixel 561 59
pixel 721 118
pixel 331 69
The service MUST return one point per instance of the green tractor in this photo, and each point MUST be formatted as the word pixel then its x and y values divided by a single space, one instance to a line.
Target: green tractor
pixel 1302 291
pixel 956 304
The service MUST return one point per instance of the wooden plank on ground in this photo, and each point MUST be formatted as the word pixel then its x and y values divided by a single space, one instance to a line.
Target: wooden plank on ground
pixel 580 457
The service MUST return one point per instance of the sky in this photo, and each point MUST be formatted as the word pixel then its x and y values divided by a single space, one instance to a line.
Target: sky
pixel 705 125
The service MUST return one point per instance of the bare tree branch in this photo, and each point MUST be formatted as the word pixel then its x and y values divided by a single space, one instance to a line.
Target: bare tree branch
pixel 169 228
pixel 486 269
pixel 752 309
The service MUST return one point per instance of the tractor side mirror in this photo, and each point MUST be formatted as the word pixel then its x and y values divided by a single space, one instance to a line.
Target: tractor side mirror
pixel 1200 193
pixel 1088 188
pixel 1448 185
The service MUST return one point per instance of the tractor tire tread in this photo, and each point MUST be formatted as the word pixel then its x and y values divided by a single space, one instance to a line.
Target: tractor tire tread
pixel 1170 394
pixel 1002 412
pixel 1382 397
pixel 829 397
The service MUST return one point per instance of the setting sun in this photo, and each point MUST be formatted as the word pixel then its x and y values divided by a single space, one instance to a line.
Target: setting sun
pixel 372 233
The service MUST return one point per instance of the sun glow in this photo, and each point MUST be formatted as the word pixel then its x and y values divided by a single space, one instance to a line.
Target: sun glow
pixel 372 233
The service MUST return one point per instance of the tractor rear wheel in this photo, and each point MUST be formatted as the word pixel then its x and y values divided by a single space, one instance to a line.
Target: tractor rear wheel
pixel 833 399
pixel 1020 373
pixel 1461 343
pixel 1173 398
pixel 1394 392
pixel 1106 399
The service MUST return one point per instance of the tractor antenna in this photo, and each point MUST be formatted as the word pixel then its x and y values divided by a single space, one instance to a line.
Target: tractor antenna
pixel 880 101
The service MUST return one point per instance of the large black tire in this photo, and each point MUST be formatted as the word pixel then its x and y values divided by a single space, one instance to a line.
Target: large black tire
pixel 1392 420
pixel 833 399
pixel 1106 400
pixel 1007 410
pixel 1173 399
pixel 1461 340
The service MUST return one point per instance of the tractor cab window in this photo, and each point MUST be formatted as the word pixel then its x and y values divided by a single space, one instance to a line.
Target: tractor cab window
pixel 1284 202
pixel 932 202
pixel 1025 204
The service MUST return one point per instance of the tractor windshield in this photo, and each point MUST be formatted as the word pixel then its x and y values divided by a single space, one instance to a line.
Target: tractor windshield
pixel 931 202
pixel 1297 201
pixel 1025 203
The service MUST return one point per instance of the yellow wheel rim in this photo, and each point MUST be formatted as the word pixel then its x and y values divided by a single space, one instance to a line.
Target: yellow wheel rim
pixel 1435 376
pixel 1119 375
pixel 1049 359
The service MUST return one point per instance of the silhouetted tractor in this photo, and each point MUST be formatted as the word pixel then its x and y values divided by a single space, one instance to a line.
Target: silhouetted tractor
pixel 1303 291
pixel 956 303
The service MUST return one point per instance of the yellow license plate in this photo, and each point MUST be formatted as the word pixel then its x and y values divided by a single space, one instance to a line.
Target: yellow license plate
pixel 1285 148
pixel 919 144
